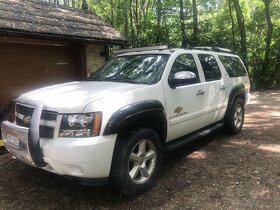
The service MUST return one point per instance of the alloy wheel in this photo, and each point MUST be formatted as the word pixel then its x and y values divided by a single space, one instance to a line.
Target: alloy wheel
pixel 238 116
pixel 142 161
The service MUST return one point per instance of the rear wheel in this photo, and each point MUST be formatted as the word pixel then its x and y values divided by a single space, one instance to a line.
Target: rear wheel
pixel 235 118
pixel 136 161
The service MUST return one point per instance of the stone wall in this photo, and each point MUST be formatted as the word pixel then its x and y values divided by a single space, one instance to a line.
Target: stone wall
pixel 95 56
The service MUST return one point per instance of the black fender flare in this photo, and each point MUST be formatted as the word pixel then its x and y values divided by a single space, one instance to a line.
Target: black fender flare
pixel 237 91
pixel 148 109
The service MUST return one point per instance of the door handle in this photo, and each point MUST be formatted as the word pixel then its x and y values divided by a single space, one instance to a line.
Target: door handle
pixel 200 92
pixel 222 88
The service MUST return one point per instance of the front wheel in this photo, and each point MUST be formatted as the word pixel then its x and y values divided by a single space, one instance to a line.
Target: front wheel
pixel 235 118
pixel 136 161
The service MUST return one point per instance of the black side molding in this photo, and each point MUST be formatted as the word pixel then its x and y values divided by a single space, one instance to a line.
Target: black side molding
pixel 184 140
pixel 142 108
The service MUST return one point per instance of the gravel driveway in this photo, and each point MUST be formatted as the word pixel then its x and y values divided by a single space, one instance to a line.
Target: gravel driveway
pixel 217 172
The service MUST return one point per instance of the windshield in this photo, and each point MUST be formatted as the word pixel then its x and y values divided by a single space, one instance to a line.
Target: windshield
pixel 139 69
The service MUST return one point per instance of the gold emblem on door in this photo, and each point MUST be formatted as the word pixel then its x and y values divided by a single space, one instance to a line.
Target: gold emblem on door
pixel 178 110
pixel 26 119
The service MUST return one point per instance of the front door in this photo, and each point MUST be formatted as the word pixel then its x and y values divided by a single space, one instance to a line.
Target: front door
pixel 186 108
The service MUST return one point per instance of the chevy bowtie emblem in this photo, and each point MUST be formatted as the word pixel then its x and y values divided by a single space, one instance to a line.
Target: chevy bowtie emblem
pixel 26 119
pixel 178 110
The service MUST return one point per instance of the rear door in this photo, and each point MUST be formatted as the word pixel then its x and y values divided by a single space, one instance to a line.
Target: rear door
pixel 235 73
pixel 215 88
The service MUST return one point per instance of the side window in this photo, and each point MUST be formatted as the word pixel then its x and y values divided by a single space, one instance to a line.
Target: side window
pixel 184 62
pixel 210 67
pixel 233 66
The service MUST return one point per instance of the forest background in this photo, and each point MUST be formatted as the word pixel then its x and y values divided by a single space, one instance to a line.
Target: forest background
pixel 250 28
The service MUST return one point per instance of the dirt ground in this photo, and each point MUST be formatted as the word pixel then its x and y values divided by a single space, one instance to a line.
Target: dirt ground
pixel 217 172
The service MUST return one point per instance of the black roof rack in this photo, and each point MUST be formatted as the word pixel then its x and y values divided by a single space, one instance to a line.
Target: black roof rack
pixel 215 49
pixel 164 47
pixel 139 49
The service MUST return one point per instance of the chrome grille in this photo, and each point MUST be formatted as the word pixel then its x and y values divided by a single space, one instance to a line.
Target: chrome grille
pixel 26 111
pixel 21 123
pixel 49 116
pixel 46 132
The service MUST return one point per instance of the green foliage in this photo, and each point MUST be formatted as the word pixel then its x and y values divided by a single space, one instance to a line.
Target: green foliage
pixel 217 26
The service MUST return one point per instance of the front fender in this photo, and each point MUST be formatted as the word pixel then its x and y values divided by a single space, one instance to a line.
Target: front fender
pixel 148 109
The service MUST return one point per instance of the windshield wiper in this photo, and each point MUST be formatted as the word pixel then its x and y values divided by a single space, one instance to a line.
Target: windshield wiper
pixel 121 80
pixel 93 79
pixel 113 79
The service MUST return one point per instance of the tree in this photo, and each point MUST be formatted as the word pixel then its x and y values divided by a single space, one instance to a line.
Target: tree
pixel 232 23
pixel 250 28
pixel 195 23
pixel 132 34
pixel 112 12
pixel 265 65
pixel 242 30
pixel 159 14
pixel 182 22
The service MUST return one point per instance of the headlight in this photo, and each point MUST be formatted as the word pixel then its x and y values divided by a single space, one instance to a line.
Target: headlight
pixel 80 125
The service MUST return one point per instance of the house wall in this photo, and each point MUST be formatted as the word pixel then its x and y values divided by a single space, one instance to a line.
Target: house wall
pixel 95 57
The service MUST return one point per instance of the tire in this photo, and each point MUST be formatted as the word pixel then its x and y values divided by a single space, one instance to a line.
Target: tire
pixel 235 118
pixel 136 161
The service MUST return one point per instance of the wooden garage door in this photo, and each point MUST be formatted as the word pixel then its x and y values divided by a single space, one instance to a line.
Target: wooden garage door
pixel 24 67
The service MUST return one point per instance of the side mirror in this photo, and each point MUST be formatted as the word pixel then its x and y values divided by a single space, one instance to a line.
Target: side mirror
pixel 182 78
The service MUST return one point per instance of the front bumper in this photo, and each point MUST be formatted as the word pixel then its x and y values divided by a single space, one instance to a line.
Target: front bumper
pixel 80 157
pixel 75 157
pixel 16 141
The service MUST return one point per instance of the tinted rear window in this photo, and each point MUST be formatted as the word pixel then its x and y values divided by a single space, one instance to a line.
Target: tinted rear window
pixel 233 66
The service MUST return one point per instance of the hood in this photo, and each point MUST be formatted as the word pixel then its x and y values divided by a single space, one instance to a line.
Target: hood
pixel 72 97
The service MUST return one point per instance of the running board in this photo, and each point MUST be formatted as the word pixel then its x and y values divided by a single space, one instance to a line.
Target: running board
pixel 175 144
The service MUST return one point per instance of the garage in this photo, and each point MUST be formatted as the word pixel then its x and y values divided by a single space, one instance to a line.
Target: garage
pixel 42 44
pixel 26 66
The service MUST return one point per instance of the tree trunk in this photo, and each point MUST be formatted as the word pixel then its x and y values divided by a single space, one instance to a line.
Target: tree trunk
pixel 266 60
pixel 276 75
pixel 144 14
pixel 232 24
pixel 91 5
pixel 126 23
pixel 182 22
pixel 242 30
pixel 112 12
pixel 159 8
pixel 195 23
pixel 166 30
pixel 132 34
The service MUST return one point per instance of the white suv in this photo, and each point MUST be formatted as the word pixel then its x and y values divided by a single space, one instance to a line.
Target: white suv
pixel 114 126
